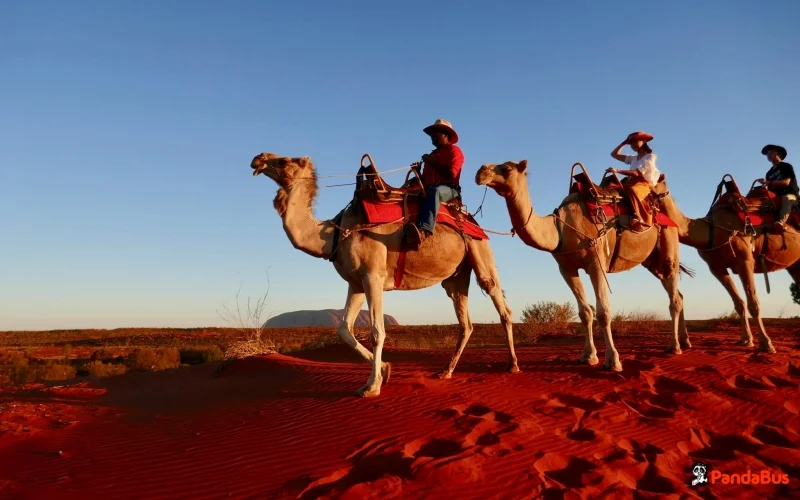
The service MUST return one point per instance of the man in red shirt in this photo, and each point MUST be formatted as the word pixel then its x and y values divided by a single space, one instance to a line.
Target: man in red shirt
pixel 441 175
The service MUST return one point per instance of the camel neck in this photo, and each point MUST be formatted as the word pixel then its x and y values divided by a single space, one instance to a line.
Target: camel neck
pixel 691 232
pixel 305 232
pixel 535 231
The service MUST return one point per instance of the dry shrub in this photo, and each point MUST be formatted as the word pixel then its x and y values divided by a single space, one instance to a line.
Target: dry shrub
pixel 546 318
pixel 99 369
pixel 636 321
pixel 250 323
pixel 726 319
pixel 201 354
pixel 146 359
pixel 104 354
pixel 52 371
pixel 17 365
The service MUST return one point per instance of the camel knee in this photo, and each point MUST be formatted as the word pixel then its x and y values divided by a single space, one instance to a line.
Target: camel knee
pixel 755 309
pixel 486 283
pixel 603 316
pixel 345 335
pixel 585 313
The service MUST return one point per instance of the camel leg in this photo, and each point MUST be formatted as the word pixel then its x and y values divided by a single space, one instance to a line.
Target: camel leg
pixel 725 278
pixel 747 276
pixel 664 265
pixel 604 317
pixel 457 288
pixel 373 286
pixel 573 280
pixel 682 330
pixel 489 281
pixel 352 307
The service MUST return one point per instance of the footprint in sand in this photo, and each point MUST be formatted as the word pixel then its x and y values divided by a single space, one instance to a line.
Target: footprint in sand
pixel 772 435
pixel 742 381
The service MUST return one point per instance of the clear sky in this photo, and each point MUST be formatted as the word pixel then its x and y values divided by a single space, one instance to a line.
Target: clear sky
pixel 127 130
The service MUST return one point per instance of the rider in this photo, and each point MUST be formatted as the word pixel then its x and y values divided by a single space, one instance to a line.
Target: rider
pixel 642 176
pixel 780 179
pixel 441 173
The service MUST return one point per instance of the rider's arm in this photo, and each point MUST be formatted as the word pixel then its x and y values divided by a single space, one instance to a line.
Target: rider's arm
pixel 617 152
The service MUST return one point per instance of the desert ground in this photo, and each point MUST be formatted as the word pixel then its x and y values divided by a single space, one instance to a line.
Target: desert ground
pixel 158 414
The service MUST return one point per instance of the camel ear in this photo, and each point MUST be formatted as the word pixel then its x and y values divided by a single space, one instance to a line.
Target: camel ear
pixel 303 161
pixel 521 166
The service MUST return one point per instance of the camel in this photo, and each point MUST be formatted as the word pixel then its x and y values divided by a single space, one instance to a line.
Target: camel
pixel 724 243
pixel 366 257
pixel 577 242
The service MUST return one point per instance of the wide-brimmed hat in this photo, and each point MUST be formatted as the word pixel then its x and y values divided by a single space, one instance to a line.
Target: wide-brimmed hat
pixel 778 149
pixel 442 126
pixel 639 136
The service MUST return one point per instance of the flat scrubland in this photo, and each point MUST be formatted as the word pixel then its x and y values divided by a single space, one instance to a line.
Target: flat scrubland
pixel 59 355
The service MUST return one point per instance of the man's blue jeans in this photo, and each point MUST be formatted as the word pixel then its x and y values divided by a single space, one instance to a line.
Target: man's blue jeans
pixel 435 195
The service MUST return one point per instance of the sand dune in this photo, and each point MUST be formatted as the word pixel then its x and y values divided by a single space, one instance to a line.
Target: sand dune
pixel 288 427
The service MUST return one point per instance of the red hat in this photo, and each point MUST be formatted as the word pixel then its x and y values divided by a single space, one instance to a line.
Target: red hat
pixel 639 136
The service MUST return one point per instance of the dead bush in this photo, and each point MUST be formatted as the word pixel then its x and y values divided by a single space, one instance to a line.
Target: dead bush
pixel 17 365
pixel 636 321
pixel 201 354
pixel 146 359
pixel 546 318
pixel 52 371
pixel 99 369
pixel 104 354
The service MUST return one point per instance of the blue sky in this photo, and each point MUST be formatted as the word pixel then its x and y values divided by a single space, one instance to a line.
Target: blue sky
pixel 127 130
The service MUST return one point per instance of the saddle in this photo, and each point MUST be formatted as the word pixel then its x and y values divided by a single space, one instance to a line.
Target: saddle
pixel 758 207
pixel 371 188
pixel 609 197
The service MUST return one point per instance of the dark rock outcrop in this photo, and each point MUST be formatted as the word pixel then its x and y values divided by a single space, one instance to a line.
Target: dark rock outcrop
pixel 325 317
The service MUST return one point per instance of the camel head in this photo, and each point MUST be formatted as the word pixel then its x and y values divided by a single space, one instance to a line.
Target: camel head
pixel 283 170
pixel 506 179
pixel 660 190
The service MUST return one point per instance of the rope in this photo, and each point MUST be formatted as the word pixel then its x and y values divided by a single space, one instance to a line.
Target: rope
pixel 351 175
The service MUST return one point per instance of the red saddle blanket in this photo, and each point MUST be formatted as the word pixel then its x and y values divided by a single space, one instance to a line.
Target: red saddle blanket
pixel 381 213
pixel 761 213
pixel 623 206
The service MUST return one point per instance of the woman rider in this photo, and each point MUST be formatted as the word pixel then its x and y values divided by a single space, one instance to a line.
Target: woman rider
pixel 642 176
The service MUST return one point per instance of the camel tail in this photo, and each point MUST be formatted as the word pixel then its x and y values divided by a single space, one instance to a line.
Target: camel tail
pixel 688 270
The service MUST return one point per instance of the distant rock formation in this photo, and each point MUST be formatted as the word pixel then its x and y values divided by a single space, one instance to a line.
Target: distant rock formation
pixel 325 317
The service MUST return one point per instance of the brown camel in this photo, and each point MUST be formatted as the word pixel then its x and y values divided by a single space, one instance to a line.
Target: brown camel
pixel 367 257
pixel 577 242
pixel 723 243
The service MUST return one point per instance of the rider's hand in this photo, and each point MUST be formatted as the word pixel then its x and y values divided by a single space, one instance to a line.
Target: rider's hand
pixel 612 170
pixel 762 181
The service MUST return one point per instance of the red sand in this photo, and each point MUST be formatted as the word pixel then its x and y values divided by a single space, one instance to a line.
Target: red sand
pixel 286 427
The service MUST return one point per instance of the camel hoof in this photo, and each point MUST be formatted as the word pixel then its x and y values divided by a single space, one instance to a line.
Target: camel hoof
pixel 444 375
pixel 685 344
pixel 745 343
pixel 512 368
pixel 386 372
pixel 591 360
pixel 769 349
pixel 366 392
pixel 673 350
pixel 616 367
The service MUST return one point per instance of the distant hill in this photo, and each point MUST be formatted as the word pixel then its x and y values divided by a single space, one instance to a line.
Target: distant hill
pixel 325 317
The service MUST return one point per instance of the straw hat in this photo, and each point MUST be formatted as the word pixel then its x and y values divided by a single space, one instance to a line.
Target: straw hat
pixel 442 126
